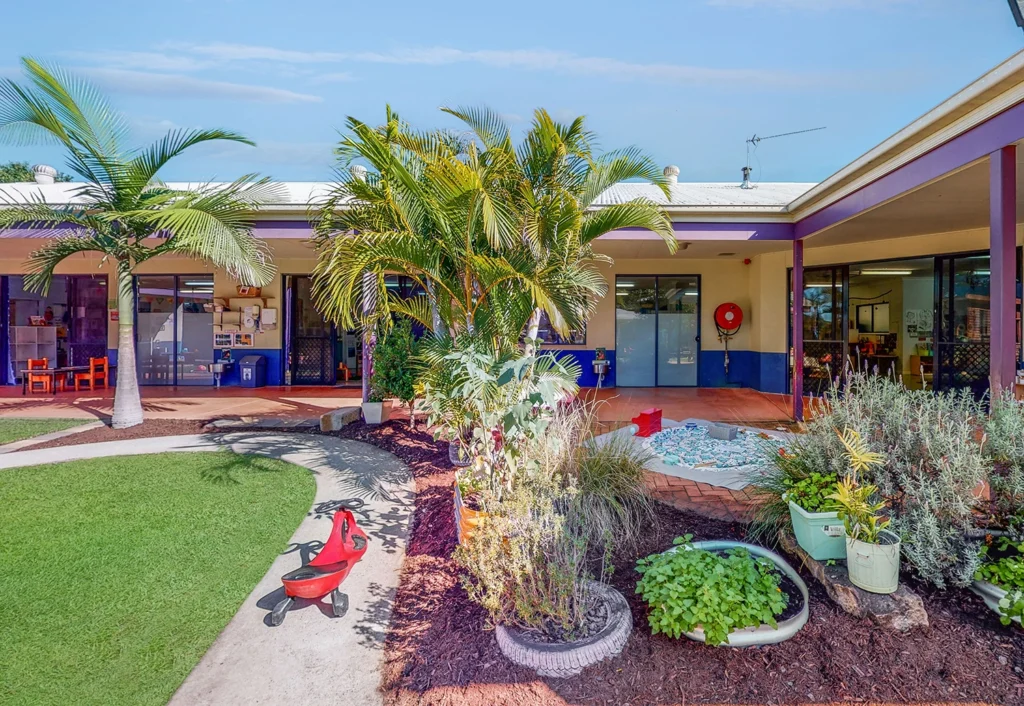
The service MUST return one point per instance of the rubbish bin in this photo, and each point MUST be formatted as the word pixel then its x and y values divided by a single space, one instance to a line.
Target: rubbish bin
pixel 253 371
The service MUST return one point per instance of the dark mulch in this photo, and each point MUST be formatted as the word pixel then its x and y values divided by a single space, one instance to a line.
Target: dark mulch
pixel 150 427
pixel 438 653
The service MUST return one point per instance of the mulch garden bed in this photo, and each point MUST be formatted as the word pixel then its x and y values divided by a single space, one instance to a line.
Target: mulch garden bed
pixel 149 428
pixel 437 651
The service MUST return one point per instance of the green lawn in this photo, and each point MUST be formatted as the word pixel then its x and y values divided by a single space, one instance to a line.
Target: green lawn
pixel 12 429
pixel 117 574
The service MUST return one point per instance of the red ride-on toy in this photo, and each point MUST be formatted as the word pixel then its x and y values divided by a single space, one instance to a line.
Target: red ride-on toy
pixel 325 572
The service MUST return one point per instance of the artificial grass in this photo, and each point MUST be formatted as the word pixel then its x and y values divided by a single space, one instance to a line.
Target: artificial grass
pixel 118 573
pixel 13 429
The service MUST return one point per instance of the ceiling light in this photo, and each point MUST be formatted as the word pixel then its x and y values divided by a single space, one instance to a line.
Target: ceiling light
pixel 822 286
pixel 203 283
pixel 625 285
pixel 888 273
pixel 982 273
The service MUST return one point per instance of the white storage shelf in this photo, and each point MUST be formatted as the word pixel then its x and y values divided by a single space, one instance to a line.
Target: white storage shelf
pixel 33 342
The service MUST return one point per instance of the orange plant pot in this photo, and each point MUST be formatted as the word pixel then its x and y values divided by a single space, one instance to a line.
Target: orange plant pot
pixel 466 518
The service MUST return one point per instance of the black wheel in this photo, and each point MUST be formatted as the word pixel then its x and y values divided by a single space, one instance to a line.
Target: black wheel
pixel 339 602
pixel 280 611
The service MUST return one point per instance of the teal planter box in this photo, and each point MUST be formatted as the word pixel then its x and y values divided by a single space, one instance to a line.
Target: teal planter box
pixel 820 534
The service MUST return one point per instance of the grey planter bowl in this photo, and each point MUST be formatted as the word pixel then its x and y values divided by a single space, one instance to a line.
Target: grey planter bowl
pixel 569 658
pixel 765 634
pixel 991 594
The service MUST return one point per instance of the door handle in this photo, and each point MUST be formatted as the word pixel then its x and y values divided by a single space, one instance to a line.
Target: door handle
pixel 697 339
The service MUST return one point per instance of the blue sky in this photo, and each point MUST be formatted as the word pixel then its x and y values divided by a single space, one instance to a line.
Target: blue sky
pixel 687 80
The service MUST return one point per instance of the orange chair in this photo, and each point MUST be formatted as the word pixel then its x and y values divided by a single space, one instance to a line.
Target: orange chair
pixel 45 381
pixel 99 371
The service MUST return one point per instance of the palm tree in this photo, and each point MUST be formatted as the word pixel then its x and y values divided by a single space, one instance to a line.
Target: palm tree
pixel 493 235
pixel 122 210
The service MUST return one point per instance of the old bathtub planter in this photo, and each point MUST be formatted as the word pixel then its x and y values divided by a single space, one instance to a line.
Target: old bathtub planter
pixel 566 659
pixel 874 567
pixel 764 634
pixel 820 534
pixel 993 596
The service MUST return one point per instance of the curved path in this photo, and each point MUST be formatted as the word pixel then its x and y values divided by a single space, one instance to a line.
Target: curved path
pixel 312 657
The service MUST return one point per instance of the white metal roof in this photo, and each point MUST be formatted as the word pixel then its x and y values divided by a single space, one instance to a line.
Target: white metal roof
pixel 296 195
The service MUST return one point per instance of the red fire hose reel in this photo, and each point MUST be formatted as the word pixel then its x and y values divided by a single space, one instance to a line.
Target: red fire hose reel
pixel 728 319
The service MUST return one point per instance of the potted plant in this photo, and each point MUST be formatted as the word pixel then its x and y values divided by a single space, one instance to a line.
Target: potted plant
pixel 722 593
pixel 394 368
pixel 815 517
pixel 1000 579
pixel 373 408
pixel 469 512
pixel 872 552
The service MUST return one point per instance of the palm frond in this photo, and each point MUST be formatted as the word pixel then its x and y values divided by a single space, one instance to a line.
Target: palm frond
pixel 632 214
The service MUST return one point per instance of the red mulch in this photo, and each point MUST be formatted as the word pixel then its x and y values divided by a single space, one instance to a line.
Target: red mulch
pixel 437 652
pixel 150 427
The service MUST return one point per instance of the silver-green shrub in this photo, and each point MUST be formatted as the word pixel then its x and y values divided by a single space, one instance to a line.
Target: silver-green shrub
pixel 935 461
pixel 1005 446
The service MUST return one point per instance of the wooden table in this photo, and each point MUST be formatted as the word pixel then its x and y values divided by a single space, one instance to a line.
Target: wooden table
pixel 67 371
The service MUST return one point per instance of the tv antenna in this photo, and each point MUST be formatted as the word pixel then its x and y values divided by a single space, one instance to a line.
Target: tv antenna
pixel 756 139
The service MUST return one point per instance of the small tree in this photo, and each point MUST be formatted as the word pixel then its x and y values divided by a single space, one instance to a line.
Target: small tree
pixel 394 373
pixel 16 172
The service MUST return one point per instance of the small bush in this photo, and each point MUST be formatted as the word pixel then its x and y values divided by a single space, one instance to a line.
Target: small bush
pixel 812 493
pixel 394 371
pixel 689 588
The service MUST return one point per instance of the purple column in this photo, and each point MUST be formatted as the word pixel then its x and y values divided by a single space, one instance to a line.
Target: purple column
pixel 798 330
pixel 1003 254
pixel 369 339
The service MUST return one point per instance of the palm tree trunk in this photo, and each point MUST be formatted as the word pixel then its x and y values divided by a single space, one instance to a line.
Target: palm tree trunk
pixel 127 402
pixel 532 330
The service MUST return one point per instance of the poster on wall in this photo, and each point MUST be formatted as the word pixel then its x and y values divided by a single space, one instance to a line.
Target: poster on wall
pixel 243 340
pixel 223 340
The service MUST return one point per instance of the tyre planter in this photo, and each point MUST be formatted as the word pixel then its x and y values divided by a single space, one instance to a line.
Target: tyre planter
pixel 991 594
pixel 373 412
pixel 763 634
pixel 874 567
pixel 820 534
pixel 466 518
pixel 566 659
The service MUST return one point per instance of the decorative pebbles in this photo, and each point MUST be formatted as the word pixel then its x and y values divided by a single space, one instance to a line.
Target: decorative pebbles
pixel 691 446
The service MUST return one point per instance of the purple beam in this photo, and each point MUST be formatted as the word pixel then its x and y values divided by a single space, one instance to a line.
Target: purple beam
pixel 294 230
pixel 711 231
pixel 1003 264
pixel 798 330
pixel 977 143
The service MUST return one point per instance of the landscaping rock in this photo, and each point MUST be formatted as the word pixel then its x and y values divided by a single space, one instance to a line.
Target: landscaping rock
pixel 336 419
pixel 901 611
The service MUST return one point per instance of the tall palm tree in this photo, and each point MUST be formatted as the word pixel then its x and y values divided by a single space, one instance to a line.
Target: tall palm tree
pixel 494 235
pixel 122 210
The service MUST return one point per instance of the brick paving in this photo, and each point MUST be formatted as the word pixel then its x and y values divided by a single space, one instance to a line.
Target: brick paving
pixel 703 499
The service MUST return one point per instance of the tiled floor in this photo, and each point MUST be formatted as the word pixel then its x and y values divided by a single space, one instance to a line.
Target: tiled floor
pixel 714 404
pixel 703 499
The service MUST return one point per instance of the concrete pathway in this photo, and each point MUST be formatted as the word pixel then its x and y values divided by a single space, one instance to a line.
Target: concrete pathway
pixel 312 657
pixel 43 438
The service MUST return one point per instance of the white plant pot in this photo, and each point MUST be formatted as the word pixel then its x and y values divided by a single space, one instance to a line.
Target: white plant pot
pixel 373 412
pixel 874 567
pixel 820 534
pixel 991 594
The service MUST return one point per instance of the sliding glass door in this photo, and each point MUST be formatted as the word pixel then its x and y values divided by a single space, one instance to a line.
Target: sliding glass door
pixel 174 329
pixel 657 331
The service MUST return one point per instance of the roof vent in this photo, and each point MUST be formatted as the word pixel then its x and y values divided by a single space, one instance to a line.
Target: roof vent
pixel 726 254
pixel 746 179
pixel 358 171
pixel 44 173
pixel 671 174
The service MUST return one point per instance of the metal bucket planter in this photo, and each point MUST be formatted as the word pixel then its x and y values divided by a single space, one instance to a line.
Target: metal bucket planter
pixel 820 534
pixel 566 659
pixel 991 594
pixel 763 634
pixel 874 567
pixel 466 518
pixel 457 454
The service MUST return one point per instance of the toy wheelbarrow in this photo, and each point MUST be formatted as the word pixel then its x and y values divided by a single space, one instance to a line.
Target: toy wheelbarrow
pixel 325 572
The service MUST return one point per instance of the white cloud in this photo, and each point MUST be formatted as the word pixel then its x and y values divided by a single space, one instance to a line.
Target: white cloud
pixel 528 59
pixel 149 83
pixel 336 77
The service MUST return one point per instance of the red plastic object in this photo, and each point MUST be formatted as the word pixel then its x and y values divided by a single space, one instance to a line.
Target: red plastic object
pixel 648 421
pixel 325 572
pixel 728 316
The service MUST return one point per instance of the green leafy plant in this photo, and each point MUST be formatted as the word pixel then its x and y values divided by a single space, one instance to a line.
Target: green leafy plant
pixel 687 588
pixel 812 493
pixel 861 517
pixel 394 370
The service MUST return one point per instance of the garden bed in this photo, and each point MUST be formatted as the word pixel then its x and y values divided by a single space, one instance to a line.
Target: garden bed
pixel 149 428
pixel 437 651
